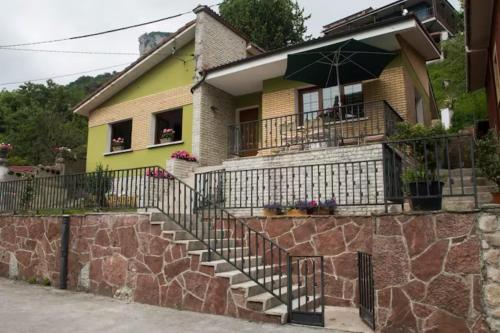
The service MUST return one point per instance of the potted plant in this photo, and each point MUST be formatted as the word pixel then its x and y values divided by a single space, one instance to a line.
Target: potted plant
pixel 5 148
pixel 184 156
pixel 117 144
pixel 167 135
pixel 273 209
pixel 488 161
pixel 327 207
pixel 420 178
pixel 302 208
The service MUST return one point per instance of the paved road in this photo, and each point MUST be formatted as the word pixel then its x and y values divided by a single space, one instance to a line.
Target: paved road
pixel 28 308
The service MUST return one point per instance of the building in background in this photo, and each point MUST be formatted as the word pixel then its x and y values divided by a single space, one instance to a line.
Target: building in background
pixel 439 17
pixel 482 29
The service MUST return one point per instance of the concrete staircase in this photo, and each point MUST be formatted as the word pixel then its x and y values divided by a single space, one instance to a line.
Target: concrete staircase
pixel 256 297
pixel 461 182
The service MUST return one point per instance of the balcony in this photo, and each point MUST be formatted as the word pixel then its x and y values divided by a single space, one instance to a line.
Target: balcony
pixel 353 124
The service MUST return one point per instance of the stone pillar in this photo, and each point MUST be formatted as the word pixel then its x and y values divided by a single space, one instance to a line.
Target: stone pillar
pixel 213 109
pixel 489 229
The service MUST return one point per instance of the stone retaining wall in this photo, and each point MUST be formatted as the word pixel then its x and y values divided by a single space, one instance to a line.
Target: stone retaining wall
pixel 336 238
pixel 427 273
pixel 433 272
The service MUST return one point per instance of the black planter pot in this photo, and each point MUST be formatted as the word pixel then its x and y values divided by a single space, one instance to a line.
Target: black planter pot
pixel 420 190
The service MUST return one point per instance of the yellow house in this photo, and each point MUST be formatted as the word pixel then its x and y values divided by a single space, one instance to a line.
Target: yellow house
pixel 221 96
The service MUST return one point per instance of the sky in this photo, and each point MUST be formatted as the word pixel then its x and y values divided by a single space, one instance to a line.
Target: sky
pixel 24 21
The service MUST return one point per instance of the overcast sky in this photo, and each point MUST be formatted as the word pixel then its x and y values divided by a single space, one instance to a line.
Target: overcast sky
pixel 35 20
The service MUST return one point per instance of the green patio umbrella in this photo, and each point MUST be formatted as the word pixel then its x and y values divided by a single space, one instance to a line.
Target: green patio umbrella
pixel 341 63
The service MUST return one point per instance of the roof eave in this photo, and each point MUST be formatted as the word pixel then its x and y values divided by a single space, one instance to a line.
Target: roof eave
pixel 126 76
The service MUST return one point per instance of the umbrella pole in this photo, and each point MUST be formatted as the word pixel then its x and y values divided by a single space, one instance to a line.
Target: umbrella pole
pixel 340 97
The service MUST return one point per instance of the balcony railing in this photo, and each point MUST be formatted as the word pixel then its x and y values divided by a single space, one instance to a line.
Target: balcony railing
pixel 337 126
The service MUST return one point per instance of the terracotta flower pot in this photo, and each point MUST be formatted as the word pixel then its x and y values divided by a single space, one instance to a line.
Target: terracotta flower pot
pixel 117 148
pixel 296 212
pixel 496 198
pixel 271 212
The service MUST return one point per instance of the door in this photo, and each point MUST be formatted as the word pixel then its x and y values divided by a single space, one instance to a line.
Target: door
pixel 249 132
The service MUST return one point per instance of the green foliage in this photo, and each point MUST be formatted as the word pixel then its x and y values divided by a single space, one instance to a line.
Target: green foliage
pixel 488 157
pixel 423 145
pixel 35 118
pixel 467 107
pixel 98 183
pixel 46 282
pixel 32 280
pixel 270 24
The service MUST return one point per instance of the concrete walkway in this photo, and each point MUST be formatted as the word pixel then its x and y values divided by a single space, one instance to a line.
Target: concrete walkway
pixel 31 308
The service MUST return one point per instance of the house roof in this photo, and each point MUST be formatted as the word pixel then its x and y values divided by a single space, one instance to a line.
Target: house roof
pixel 256 69
pixel 152 58
pixel 137 68
pixel 21 168
pixel 368 12
pixel 478 26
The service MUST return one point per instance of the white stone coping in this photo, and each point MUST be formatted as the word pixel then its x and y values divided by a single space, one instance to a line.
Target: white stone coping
pixel 173 143
pixel 118 152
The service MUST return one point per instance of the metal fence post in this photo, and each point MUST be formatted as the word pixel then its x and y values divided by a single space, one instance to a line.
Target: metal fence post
pixel 63 276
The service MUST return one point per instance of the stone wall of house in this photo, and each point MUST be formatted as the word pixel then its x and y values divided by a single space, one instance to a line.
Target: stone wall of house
pixel 213 109
pixel 427 273
pixel 338 239
pixel 356 181
pixel 489 231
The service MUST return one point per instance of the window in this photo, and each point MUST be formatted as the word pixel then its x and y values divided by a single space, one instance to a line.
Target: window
pixel 121 135
pixel 317 101
pixel 168 120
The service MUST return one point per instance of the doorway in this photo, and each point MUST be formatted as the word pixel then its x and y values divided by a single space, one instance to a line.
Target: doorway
pixel 249 132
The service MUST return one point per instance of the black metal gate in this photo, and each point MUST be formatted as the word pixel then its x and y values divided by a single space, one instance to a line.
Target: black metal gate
pixel 366 289
pixel 306 305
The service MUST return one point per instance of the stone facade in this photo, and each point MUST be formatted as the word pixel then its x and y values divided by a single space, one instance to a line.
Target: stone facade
pixel 213 109
pixel 281 186
pixel 337 239
pixel 427 274
pixel 489 229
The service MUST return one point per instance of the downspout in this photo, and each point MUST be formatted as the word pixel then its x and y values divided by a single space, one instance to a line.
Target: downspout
pixel 199 83
pixel 63 275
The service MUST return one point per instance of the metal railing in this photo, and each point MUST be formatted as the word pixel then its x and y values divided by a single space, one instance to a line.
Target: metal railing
pixel 345 125
pixel 430 169
pixel 224 235
pixel 366 289
pixel 349 183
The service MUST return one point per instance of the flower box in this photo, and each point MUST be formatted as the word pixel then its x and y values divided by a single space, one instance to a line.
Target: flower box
pixel 166 140
pixel 116 148
pixel 296 212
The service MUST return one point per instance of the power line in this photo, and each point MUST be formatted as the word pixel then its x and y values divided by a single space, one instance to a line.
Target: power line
pixel 102 32
pixel 68 51
pixel 64 75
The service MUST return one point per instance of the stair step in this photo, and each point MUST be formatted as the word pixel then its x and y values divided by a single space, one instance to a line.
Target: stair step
pixel 225 266
pixel 204 253
pixel 237 276
pixel 467 189
pixel 191 245
pixel 282 308
pixel 268 300
pixel 253 288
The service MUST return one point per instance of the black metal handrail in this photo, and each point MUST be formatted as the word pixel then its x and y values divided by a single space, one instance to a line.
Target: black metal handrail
pixel 340 125
pixel 427 168
pixel 225 235
pixel 357 183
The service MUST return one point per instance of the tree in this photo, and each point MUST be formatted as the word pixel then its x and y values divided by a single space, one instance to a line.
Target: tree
pixel 467 107
pixel 35 118
pixel 270 24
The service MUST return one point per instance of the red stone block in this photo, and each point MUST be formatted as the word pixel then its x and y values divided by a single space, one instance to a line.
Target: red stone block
pixel 286 241
pixel 216 297
pixel 147 290
pixel 384 297
pixel 415 289
pixel 172 296
pixel 454 225
pixel 401 318
pixel 304 230
pixel 419 234
pixel 24 257
pixel 388 226
pixel 177 267
pixel 449 293
pixel 464 258
pixel 346 265
pixel 115 270
pixel 128 241
pixel 422 310
pixel 192 303
pixel 196 283
pixel 155 263
pixel 350 231
pixel 442 322
pixel 390 262
pixel 277 227
pixel 429 264
pixel 158 246
pixel 329 243
pixel 325 223
pixel 333 286
pixel 95 270
pixel 102 238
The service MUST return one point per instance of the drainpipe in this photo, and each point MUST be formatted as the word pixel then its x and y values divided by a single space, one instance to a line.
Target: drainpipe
pixel 197 84
pixel 63 276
